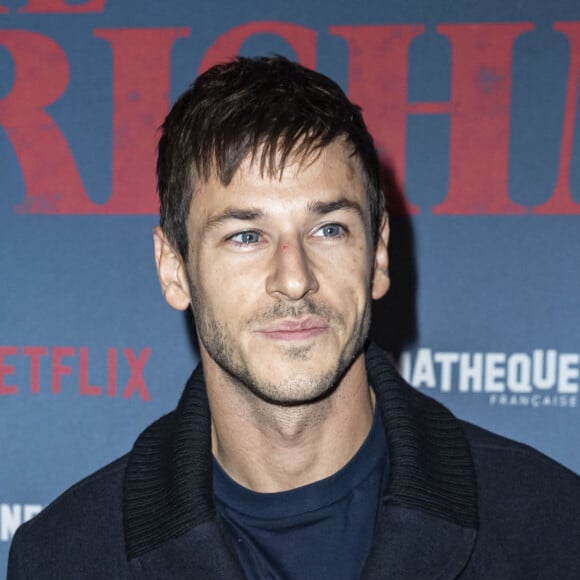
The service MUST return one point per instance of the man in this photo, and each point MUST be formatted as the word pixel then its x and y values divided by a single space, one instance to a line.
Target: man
pixel 295 452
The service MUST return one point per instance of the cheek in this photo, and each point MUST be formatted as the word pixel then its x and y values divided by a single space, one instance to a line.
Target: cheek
pixel 213 274
pixel 230 287
pixel 353 268
pixel 346 281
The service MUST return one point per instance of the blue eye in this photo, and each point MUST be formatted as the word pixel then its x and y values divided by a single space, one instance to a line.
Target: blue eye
pixel 330 231
pixel 246 238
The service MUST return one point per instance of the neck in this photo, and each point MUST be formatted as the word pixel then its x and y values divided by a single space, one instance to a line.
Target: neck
pixel 270 448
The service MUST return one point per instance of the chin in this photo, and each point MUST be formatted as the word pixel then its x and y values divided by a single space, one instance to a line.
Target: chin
pixel 296 388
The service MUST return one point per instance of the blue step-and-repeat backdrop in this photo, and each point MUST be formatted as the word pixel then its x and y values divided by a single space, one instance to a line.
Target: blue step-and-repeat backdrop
pixel 474 107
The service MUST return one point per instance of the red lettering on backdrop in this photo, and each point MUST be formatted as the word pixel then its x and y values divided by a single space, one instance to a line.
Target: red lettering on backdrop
pixel 60 6
pixel 84 387
pixel 4 10
pixel 480 118
pixel 136 364
pixel 300 38
pixel 561 201
pixel 58 369
pixel 35 352
pixel 378 67
pixel 112 372
pixel 41 73
pixel 141 80
pixel 6 369
pixel 479 106
pixel 136 380
pixel 141 60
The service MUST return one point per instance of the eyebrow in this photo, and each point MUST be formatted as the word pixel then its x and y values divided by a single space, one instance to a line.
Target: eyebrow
pixel 324 207
pixel 233 213
pixel 254 213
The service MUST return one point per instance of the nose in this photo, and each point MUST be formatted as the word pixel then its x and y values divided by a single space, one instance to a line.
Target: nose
pixel 292 276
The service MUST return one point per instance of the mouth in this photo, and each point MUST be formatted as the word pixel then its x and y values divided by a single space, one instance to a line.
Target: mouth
pixel 293 330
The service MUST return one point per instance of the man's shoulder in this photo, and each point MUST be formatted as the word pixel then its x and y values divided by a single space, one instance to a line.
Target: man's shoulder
pixel 88 515
pixel 87 501
pixel 528 506
pixel 97 494
pixel 493 451
pixel 521 483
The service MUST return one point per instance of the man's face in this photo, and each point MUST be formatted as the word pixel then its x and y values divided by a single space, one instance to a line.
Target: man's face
pixel 281 275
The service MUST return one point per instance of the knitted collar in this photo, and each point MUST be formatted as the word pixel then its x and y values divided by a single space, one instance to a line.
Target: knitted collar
pixel 168 485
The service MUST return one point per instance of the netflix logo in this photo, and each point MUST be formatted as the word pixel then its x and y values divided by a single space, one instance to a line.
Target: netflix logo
pixel 36 369
pixel 377 59
pixel 13 515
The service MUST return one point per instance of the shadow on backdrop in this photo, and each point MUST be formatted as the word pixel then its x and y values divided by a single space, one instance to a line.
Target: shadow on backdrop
pixel 394 319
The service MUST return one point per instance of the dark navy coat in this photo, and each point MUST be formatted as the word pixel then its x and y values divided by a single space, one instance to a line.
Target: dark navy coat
pixel 460 503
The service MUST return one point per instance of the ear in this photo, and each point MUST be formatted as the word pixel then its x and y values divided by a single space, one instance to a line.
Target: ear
pixel 171 272
pixel 381 280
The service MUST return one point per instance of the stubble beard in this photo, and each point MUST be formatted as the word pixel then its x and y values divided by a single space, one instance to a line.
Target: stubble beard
pixel 290 391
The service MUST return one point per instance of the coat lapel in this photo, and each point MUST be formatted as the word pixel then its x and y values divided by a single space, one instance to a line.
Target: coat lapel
pixel 426 525
pixel 428 522
pixel 410 544
pixel 200 553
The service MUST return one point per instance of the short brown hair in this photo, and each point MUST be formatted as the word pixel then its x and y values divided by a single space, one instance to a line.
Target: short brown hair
pixel 268 107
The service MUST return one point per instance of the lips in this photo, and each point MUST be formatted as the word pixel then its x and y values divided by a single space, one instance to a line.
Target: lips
pixel 294 329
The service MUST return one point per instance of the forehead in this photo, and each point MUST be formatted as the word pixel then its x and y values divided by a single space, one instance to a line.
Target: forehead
pixel 325 172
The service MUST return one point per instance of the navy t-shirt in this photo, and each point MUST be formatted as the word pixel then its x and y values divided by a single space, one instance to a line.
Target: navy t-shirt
pixel 322 530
